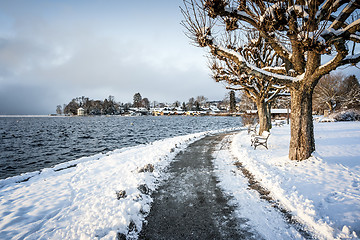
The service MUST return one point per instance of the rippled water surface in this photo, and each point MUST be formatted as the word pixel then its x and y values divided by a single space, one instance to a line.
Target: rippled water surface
pixel 33 143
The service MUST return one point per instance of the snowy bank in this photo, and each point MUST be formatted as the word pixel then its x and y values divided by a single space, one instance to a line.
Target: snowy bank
pixel 93 197
pixel 323 192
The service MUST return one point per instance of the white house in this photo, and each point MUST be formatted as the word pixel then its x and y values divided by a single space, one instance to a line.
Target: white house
pixel 81 111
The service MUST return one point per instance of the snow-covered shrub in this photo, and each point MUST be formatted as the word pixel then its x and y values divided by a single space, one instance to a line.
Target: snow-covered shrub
pixel 347 115
pixel 249 119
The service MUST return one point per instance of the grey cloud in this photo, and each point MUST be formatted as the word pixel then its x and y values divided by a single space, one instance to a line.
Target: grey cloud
pixel 20 99
pixel 77 55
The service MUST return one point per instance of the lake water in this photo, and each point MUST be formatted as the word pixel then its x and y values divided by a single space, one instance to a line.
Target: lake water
pixel 32 143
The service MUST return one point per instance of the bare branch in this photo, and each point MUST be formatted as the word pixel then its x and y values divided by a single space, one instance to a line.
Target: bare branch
pixel 345 13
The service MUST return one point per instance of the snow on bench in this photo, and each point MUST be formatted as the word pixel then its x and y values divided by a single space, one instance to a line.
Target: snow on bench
pixel 257 140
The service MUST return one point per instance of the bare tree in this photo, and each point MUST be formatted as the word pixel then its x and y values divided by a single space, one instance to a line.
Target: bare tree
pixel 256 52
pixel 261 91
pixel 145 103
pixel 176 104
pixel 183 106
pixel 300 32
pixel 71 107
pixel 335 92
pixel 201 100
pixel 350 93
pixel 137 100
pixel 327 93
pixel 190 103
pixel 58 110
pixel 245 103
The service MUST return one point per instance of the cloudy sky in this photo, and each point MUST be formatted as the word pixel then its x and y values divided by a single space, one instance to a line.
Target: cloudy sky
pixel 54 50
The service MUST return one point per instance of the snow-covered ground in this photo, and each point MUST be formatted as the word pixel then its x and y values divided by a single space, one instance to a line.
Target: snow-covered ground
pixel 323 192
pixel 83 202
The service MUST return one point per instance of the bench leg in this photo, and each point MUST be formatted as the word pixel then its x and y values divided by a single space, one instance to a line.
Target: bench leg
pixel 255 144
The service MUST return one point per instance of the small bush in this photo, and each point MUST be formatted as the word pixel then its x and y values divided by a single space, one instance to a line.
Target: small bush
pixel 147 168
pixel 249 119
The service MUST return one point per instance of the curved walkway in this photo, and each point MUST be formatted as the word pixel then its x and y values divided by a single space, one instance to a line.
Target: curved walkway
pixel 189 204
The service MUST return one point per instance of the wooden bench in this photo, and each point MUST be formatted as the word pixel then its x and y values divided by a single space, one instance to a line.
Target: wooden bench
pixel 252 128
pixel 257 140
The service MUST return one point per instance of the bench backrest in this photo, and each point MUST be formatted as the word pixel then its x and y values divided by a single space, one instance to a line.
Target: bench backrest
pixel 265 134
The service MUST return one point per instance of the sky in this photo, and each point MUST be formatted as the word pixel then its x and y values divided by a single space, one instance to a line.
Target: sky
pixel 52 51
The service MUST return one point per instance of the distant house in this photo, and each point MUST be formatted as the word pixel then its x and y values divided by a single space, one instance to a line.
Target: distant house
pixel 214 109
pixel 138 111
pixel 80 111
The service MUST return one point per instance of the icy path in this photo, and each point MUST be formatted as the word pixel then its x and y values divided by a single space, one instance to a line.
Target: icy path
pixel 191 203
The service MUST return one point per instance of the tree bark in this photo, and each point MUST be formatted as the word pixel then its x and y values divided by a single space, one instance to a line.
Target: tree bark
pixel 264 116
pixel 302 142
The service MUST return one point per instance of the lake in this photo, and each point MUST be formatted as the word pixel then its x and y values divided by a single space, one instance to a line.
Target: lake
pixel 32 143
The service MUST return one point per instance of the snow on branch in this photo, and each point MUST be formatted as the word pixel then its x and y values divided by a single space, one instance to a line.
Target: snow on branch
pixel 299 10
pixel 352 59
pixel 235 88
pixel 273 95
pixel 348 32
pixel 353 27
pixel 355 38
pixel 272 11
pixel 249 68
pixel 240 14
pixel 344 14
pixel 278 70
pixel 340 59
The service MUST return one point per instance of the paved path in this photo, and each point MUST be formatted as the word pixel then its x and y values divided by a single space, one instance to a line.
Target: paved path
pixel 190 205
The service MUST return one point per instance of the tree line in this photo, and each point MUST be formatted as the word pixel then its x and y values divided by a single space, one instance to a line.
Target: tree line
pixel 109 106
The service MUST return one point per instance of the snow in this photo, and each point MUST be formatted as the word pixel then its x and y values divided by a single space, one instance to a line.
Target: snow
pixel 352 57
pixel 273 110
pixel 269 69
pixel 354 36
pixel 262 218
pixel 345 10
pixel 323 192
pixel 78 199
pixel 270 11
pixel 278 110
pixel 299 9
pixel 341 31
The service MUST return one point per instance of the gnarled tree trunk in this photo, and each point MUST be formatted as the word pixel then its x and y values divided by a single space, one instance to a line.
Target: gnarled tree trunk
pixel 264 116
pixel 302 142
